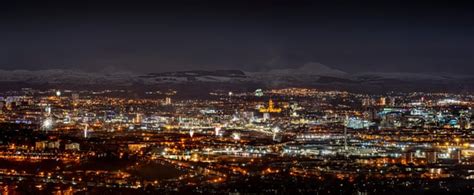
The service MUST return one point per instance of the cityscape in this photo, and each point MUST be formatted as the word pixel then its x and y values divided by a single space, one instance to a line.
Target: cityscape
pixel 237 97
pixel 267 140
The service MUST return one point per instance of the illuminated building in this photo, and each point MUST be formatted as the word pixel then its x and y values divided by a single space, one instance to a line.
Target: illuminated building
pixel 445 102
pixel 85 131
pixel 266 116
pixel 357 123
pixel 393 101
pixel 275 131
pixel 217 131
pixel 431 157
pixel 382 101
pixel 366 102
pixel 72 146
pixel 409 157
pixel 137 119
pixel 47 124
pixel 48 110
pixel 167 101
pixel 135 147
pixel 259 93
pixel 236 136
pixel 53 145
pixel 41 145
pixel 456 155
pixel 270 109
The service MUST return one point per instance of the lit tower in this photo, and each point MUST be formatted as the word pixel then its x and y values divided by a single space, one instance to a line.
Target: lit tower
pixel 138 118
pixel 85 131
pixel 230 95
pixel 167 101
pixel 217 130
pixel 275 131
pixel 271 108
pixel 346 121
pixel 382 101
pixel 47 110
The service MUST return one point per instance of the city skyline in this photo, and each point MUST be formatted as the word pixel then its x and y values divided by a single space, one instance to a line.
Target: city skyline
pixel 237 97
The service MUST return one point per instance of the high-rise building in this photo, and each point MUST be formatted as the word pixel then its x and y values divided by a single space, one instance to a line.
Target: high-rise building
pixel 168 101
pixel 431 157
pixel 366 102
pixel 266 116
pixel 53 144
pixel 138 118
pixel 86 131
pixel 47 111
pixel 259 93
pixel 72 146
pixel 382 101
pixel 456 155
pixel 41 145
pixel 409 157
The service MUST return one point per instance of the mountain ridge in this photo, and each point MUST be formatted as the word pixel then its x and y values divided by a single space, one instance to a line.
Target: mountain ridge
pixel 309 74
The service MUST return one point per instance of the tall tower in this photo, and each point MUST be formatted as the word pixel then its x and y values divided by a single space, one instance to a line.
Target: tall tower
pixel 346 121
pixel 167 101
pixel 217 130
pixel 271 108
pixel 85 131
pixel 382 101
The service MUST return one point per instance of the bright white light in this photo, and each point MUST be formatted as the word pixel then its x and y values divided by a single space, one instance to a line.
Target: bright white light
pixel 47 124
pixel 217 131
pixel 276 129
pixel 58 93
pixel 191 133
pixel 85 131
pixel 236 136
pixel 48 110
pixel 235 118
pixel 449 102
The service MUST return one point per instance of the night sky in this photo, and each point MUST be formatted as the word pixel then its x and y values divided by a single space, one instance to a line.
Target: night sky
pixel 382 36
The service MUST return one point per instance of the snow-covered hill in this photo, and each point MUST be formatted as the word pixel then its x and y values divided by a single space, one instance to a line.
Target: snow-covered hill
pixel 310 74
pixel 65 77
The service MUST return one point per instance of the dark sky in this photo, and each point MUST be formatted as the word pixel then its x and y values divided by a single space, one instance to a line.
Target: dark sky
pixel 385 36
